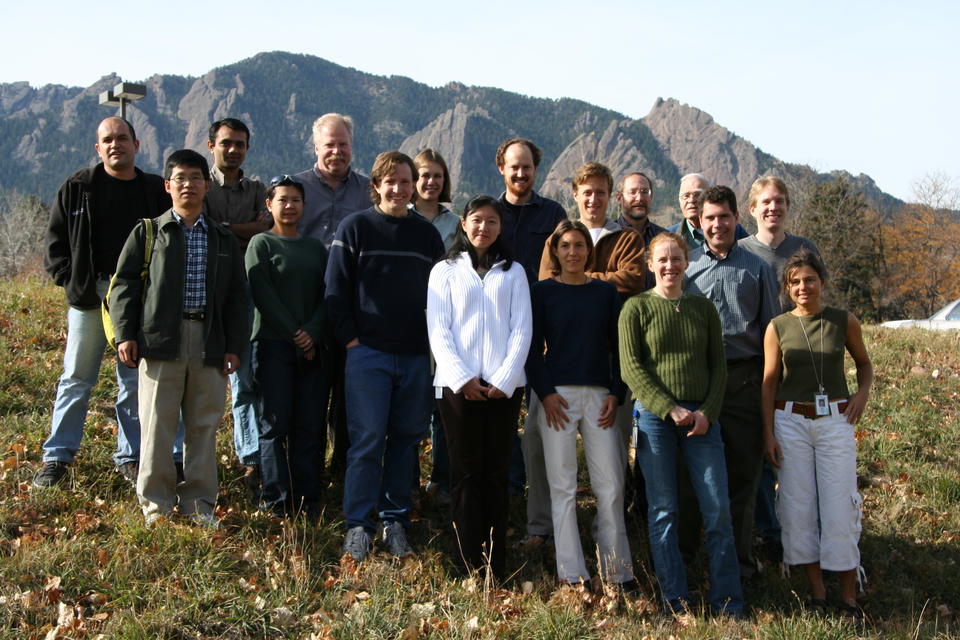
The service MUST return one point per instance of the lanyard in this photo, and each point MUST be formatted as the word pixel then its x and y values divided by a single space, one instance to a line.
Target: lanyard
pixel 817 374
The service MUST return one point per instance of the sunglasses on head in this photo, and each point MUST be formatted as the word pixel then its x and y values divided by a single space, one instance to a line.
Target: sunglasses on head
pixel 283 180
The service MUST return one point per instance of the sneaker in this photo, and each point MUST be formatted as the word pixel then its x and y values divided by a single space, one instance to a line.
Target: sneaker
pixel 205 520
pixel 357 543
pixel 53 472
pixel 395 538
pixel 130 471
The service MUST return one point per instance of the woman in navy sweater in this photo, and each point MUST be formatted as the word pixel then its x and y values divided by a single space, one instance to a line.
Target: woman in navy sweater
pixel 478 316
pixel 574 369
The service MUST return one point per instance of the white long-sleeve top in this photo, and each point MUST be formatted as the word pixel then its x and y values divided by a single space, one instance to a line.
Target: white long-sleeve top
pixel 479 327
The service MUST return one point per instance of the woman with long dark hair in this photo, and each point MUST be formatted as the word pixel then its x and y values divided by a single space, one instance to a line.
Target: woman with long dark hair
pixel 478 315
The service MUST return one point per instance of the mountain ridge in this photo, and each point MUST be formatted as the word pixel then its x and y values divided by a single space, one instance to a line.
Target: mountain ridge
pixel 47 132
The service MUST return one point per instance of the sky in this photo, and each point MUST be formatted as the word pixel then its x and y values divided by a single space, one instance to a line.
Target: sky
pixel 868 87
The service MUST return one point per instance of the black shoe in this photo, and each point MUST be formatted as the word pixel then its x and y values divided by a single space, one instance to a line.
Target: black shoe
pixel 130 471
pixel 53 472
pixel 630 589
pixel 251 482
pixel 179 467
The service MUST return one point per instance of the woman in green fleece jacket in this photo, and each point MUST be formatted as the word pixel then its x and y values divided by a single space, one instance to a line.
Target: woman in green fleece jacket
pixel 286 273
pixel 672 358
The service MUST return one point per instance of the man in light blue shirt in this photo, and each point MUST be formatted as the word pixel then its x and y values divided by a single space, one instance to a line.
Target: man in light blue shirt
pixel 743 288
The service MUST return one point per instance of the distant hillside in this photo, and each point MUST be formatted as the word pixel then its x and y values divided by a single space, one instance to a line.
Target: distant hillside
pixel 47 133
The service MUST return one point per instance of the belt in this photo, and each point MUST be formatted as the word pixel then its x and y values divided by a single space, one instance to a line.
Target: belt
pixel 196 316
pixel 809 410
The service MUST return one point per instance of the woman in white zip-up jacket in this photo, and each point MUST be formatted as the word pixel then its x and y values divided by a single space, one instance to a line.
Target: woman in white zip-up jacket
pixel 479 319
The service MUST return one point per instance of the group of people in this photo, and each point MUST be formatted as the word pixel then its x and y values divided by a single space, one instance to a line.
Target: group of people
pixel 328 290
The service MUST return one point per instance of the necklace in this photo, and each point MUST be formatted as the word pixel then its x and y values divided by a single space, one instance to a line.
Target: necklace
pixel 674 301
pixel 817 374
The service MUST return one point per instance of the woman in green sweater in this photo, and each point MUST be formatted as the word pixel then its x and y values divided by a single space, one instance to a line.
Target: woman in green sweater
pixel 672 358
pixel 286 273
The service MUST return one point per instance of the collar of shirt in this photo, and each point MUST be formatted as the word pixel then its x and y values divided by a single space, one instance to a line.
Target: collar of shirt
pixel 217 176
pixel 202 220
pixel 535 200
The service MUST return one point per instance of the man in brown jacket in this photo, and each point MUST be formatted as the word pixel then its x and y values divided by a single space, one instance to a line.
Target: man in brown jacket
pixel 618 254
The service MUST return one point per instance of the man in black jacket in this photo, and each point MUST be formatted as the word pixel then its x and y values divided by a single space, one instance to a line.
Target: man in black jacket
pixel 94 212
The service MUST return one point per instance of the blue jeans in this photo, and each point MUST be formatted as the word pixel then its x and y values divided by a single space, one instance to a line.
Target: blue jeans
pixel 244 395
pixel 389 402
pixel 658 443
pixel 81 367
pixel 292 428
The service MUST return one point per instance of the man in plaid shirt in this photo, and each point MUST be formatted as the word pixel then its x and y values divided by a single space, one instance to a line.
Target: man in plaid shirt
pixel 187 320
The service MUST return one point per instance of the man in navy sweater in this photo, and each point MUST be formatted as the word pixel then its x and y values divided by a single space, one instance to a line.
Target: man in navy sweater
pixel 376 282
pixel 528 220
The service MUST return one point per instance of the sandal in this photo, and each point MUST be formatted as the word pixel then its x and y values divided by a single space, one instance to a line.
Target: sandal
pixel 852 612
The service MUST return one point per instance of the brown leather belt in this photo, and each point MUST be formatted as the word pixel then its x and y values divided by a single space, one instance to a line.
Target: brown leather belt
pixel 809 410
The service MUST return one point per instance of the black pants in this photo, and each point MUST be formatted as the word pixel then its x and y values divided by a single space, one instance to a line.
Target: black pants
pixel 479 438
pixel 292 435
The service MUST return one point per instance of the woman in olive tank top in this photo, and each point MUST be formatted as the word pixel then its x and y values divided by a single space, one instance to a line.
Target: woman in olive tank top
pixel 808 418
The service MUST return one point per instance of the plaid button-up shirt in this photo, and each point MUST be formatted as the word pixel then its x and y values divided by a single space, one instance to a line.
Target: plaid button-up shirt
pixel 195 283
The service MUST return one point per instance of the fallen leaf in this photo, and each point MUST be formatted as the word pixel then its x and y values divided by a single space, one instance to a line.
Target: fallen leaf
pixel 282 617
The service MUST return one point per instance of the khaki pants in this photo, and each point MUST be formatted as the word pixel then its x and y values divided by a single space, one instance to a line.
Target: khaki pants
pixel 167 388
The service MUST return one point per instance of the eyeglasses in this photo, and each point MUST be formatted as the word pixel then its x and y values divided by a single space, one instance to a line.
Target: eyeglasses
pixel 181 180
pixel 283 180
pixel 643 191
pixel 691 195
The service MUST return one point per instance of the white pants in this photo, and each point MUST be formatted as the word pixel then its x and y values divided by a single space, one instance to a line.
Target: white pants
pixel 818 480
pixel 604 449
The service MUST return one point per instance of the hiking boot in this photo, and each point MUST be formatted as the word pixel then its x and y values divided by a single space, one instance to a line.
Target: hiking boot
pixel 53 472
pixel 357 543
pixel 130 471
pixel 395 537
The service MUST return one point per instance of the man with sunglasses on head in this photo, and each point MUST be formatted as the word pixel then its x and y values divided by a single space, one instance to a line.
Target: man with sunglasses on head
pixel 237 202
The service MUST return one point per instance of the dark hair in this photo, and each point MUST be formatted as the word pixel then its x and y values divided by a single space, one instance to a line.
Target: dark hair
pixel 803 258
pixel 186 158
pixel 285 181
pixel 554 240
pixel 497 251
pixel 721 194
pixel 427 156
pixel 230 123
pixel 385 164
pixel 534 150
